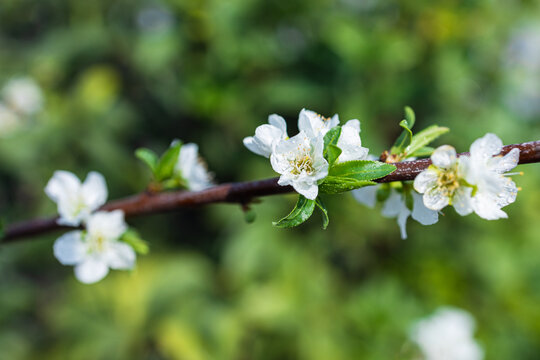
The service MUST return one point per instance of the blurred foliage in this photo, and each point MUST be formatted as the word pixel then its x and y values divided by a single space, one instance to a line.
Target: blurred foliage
pixel 118 75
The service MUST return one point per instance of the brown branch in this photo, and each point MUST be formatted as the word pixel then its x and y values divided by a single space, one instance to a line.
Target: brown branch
pixel 241 193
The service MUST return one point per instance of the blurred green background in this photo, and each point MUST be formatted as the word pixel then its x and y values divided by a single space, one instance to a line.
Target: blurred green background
pixel 118 75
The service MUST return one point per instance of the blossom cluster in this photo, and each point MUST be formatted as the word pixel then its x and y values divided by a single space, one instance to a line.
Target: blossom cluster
pixel 323 158
pixel 105 243
pixel 94 250
pixel 21 98
pixel 472 183
pixel 300 159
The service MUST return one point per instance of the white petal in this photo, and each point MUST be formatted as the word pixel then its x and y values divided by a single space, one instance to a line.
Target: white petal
pixel 486 146
pixel 268 134
pixel 94 190
pixel 110 225
pixel 278 122
pixel 402 222
pixel 310 191
pixel 285 180
pixel 366 195
pixel 199 178
pixel 444 156
pixel 120 255
pixel 462 200
pixel 434 200
pixel 425 180
pixel 508 193
pixel 421 213
pixel 254 146
pixel 62 184
pixel 91 270
pixel 334 121
pixel 350 143
pixel 486 207
pixel 69 217
pixel 187 159
pixel 65 189
pixel 306 120
pixel 69 248
pixel 394 204
pixel 506 162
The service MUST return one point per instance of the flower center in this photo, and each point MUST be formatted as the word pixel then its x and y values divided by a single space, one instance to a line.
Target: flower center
pixel 302 164
pixel 448 181
pixel 97 243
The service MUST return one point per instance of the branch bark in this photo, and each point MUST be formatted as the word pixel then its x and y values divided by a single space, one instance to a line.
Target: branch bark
pixel 240 193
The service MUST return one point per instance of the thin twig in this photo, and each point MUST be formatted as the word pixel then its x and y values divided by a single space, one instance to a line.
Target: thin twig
pixel 241 193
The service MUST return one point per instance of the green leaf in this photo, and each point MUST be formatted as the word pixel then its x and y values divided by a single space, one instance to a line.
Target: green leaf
pixel 133 239
pixel 425 137
pixel 301 212
pixel 403 140
pixel 337 185
pixel 330 143
pixel 320 204
pixel 332 154
pixel 423 152
pixel 410 117
pixel 406 135
pixel 166 164
pixel 363 170
pixel 332 136
pixel 148 157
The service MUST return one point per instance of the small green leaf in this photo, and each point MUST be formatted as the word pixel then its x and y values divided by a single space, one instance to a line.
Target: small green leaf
pixel 425 137
pixel 148 157
pixel 166 164
pixel 330 144
pixel 406 135
pixel 363 170
pixel 423 152
pixel 132 238
pixel 332 154
pixel 320 204
pixel 410 117
pixel 403 140
pixel 337 185
pixel 301 212
pixel 332 136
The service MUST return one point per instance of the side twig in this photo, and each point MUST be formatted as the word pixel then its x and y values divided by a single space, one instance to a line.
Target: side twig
pixel 241 193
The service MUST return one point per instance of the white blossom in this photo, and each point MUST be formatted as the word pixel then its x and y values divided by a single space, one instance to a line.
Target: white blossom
pixel 470 183
pixel 192 168
pixel 267 135
pixel 484 171
pixel 395 206
pixel 97 249
pixel 443 182
pixel 76 201
pixel 315 125
pixel 447 335
pixel 23 95
pixel 301 164
pixel 350 143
